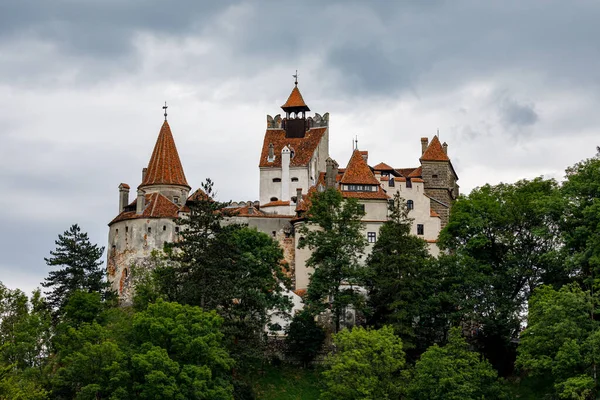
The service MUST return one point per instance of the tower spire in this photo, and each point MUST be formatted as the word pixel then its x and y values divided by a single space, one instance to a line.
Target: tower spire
pixel 296 78
pixel 165 108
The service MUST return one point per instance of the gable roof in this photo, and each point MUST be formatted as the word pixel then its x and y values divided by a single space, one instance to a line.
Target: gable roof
pixel 435 151
pixel 165 166
pixel 416 173
pixel 358 172
pixel 383 167
pixel 295 100
pixel 156 206
pixel 303 148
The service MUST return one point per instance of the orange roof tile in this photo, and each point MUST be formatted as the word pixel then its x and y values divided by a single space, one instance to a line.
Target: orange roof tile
pixel 198 195
pixel 124 186
pixel 165 167
pixel 380 194
pixel 416 180
pixel 303 148
pixel 405 171
pixel 157 206
pixel 382 167
pixel 434 151
pixel 295 100
pixel 300 292
pixel 416 173
pixel 276 203
pixel 432 213
pixel 400 179
pixel 358 172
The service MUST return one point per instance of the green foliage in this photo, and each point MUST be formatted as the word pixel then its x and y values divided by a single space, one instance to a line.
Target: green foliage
pixel 453 372
pixel 560 347
pixel 397 276
pixel 507 239
pixel 581 225
pixel 333 233
pixel 286 383
pixel 367 364
pixel 79 268
pixel 304 338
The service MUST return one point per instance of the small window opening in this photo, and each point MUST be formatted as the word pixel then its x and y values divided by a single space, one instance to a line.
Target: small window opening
pixel 164 227
pixel 371 237
pixel 149 230
pixel 392 183
pixel 176 229
pixel 294 179
pixel 361 207
pixel 126 229
pixel 274 199
pixel 410 204
pixel 434 176
pixel 294 199
pixel 420 229
pixel 126 272
pixel 176 200
pixel 276 179
pixel 274 233
pixel 408 183
pixel 116 231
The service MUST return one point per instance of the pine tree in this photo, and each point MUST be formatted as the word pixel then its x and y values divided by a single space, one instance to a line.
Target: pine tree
pixel 78 263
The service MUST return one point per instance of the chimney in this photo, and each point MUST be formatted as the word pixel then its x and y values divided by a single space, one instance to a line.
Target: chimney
pixel 298 196
pixel 271 156
pixel 285 173
pixel 141 201
pixel 144 170
pixel 445 146
pixel 331 171
pixel 424 144
pixel 123 196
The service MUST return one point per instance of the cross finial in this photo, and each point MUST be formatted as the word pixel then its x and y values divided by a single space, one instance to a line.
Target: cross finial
pixel 165 108
pixel 296 78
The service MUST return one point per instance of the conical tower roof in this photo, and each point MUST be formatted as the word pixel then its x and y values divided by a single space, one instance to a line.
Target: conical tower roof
pixel 165 167
pixel 358 172
pixel 435 151
pixel 295 102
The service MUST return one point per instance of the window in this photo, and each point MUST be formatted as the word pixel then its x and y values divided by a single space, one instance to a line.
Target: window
pixel 274 233
pixel 149 230
pixel 176 200
pixel 410 204
pixel 276 179
pixel 116 231
pixel 371 237
pixel 408 183
pixel 420 229
pixel 361 188
pixel 126 229
pixel 176 229
pixel 126 272
pixel 294 179
pixel 274 199
pixel 434 176
pixel 164 227
pixel 361 207
pixel 392 183
pixel 294 199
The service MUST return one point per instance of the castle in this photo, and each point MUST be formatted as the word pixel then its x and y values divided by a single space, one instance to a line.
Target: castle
pixel 293 162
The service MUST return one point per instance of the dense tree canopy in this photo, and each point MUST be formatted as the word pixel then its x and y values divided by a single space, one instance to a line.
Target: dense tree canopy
pixel 333 233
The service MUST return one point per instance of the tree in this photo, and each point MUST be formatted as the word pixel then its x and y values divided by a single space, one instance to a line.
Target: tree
pixel 333 232
pixel 79 268
pixel 453 372
pixel 396 275
pixel 560 348
pixel 366 364
pixel 507 239
pixel 581 225
pixel 304 338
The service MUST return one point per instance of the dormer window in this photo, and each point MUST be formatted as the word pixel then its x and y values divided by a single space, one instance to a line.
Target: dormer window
pixel 361 188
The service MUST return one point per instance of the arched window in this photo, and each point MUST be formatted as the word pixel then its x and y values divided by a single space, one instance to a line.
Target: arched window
pixel 410 204
pixel 276 179
pixel 274 199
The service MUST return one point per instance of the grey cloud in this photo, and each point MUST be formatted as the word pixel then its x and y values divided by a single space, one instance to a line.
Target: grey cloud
pixel 515 114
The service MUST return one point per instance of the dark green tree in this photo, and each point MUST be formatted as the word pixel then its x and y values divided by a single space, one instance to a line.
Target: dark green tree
pixel 507 240
pixel 397 275
pixel 453 372
pixel 304 338
pixel 560 348
pixel 334 233
pixel 77 266
pixel 367 364
pixel 581 225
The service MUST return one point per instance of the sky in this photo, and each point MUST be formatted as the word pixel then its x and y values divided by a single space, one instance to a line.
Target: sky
pixel 511 85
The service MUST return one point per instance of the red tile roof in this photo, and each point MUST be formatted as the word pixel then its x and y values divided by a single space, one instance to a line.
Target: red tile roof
pixel 433 213
pixel 358 172
pixel 303 148
pixel 383 167
pixel 276 203
pixel 380 194
pixel 157 206
pixel 295 99
pixel 124 186
pixel 165 167
pixel 405 171
pixel 416 173
pixel 198 195
pixel 434 151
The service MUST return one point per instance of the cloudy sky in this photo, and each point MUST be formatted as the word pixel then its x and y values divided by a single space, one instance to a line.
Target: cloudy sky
pixel 512 86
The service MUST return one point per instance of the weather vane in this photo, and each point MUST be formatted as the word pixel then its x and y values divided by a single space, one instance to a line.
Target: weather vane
pixel 165 108
pixel 296 78
pixel 356 143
